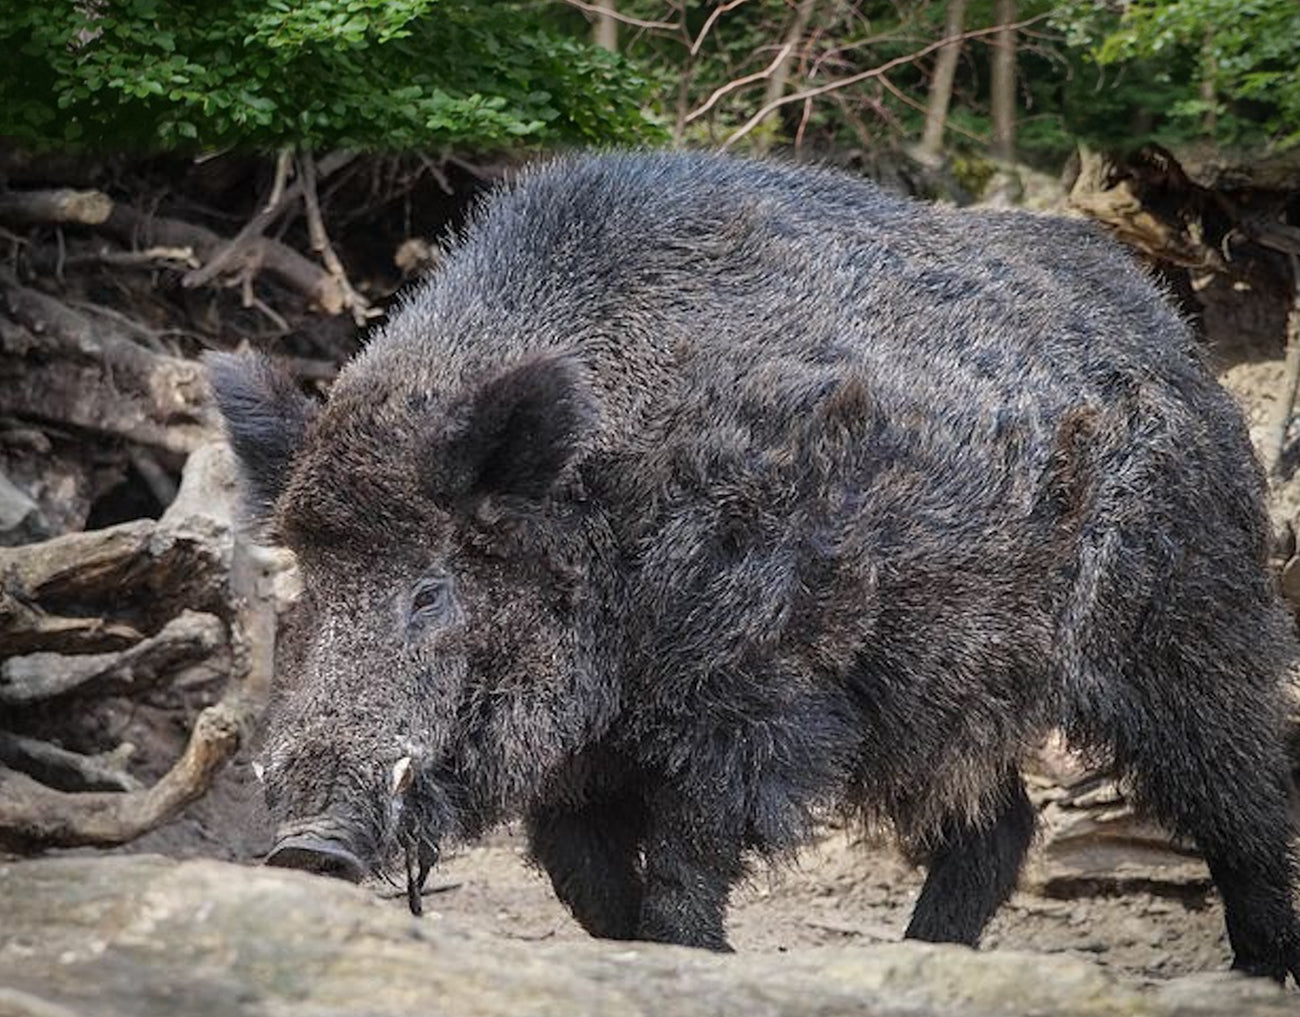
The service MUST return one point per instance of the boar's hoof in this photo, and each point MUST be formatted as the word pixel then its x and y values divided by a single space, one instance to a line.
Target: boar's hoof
pixel 314 853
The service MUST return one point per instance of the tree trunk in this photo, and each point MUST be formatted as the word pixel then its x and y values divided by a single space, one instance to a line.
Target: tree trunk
pixel 945 69
pixel 605 31
pixel 1004 83
pixel 776 84
pixel 1209 83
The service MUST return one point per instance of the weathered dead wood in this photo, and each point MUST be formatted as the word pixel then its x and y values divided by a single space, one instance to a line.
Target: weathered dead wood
pixel 1116 204
pixel 32 814
pixel 62 205
pixel 320 243
pixel 149 258
pixel 190 636
pixel 119 563
pixel 96 591
pixel 25 628
pixel 134 228
pixel 249 243
pixel 57 365
pixel 62 770
pixel 125 563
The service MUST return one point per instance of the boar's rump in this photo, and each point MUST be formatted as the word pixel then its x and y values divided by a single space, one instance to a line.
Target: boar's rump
pixel 694 496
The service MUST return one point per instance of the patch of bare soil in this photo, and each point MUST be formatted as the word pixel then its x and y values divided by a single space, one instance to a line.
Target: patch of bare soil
pixel 843 889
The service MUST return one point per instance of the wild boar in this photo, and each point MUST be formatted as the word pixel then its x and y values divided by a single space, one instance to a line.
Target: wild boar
pixel 694 496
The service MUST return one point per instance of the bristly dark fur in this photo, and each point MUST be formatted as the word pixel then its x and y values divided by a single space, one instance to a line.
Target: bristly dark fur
pixel 693 496
pixel 266 419
pixel 513 435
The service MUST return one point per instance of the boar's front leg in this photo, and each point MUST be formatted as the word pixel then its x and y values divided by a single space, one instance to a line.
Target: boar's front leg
pixel 691 863
pixel 592 855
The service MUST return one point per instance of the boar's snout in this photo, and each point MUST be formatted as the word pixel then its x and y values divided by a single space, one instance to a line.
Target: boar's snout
pixel 321 853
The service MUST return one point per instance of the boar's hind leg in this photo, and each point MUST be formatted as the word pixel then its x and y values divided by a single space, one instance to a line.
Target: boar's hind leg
pixel 973 869
pixel 592 856
pixel 1221 778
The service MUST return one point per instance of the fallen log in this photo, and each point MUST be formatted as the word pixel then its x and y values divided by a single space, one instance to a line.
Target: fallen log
pixel 59 367
pixel 188 637
pixel 58 205
pixel 32 814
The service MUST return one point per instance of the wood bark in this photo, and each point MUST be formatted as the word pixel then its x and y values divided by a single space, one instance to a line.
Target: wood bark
pixel 150 572
pixel 605 30
pixel 779 79
pixel 59 366
pixel 1003 85
pixel 60 205
pixel 930 150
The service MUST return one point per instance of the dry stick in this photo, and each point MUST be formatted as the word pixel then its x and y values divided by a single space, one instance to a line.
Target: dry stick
pixel 875 72
pixel 33 814
pixel 89 208
pixel 716 13
pixel 153 257
pixel 250 236
pixel 907 100
pixel 1284 407
pixel 69 771
pixel 320 242
pixel 295 270
pixel 778 79
pixel 749 79
pixel 627 19
pixel 283 163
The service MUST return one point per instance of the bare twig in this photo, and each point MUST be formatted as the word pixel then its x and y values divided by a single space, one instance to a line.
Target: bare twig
pixel 714 14
pixel 875 72
pixel 293 269
pixel 283 164
pixel 724 90
pixel 320 242
pixel 151 257
pixel 656 26
pixel 238 247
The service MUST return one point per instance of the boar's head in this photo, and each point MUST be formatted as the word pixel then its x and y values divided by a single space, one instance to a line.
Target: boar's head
pixel 434 667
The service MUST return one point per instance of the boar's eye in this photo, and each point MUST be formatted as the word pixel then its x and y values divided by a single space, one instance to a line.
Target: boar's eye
pixel 430 598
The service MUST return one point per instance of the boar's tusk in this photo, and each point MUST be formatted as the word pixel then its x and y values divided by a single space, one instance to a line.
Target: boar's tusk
pixel 402 775
pixel 259 771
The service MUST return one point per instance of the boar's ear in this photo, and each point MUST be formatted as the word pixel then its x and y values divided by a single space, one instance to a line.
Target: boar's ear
pixel 514 434
pixel 266 417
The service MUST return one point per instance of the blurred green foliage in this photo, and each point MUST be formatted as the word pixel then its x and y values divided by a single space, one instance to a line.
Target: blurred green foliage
pixel 400 74
pixel 370 74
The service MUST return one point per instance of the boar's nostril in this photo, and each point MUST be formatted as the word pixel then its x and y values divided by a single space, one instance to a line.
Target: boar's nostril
pixel 322 855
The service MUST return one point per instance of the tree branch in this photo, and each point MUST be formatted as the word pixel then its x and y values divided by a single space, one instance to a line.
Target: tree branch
pixel 875 72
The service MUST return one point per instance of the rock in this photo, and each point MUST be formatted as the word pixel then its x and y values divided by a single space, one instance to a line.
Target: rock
pixel 142 935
